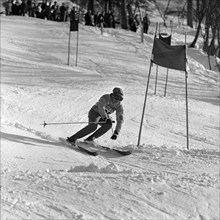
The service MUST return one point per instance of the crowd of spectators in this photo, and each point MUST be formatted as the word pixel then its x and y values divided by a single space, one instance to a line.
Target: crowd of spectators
pixel 44 9
pixel 106 19
pixel 55 12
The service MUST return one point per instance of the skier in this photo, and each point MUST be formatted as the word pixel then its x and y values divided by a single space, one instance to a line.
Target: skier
pixel 99 115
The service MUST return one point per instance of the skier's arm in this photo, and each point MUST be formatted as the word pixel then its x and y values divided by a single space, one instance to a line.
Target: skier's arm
pixel 119 119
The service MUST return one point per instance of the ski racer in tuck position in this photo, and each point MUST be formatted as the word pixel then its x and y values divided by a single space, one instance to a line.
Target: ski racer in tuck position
pixel 99 115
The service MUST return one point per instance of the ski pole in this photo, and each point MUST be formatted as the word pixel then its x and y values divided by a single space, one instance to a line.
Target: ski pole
pixel 82 122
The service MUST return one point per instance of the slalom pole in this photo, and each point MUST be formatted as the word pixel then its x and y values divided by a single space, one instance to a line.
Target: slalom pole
pixel 77 45
pixel 187 114
pixel 101 28
pixel 165 91
pixel 77 122
pixel 187 111
pixel 146 92
pixel 143 111
pixel 68 60
pixel 155 90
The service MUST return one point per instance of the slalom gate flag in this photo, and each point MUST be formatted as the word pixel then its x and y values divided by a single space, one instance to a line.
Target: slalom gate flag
pixel 172 57
pixel 74 25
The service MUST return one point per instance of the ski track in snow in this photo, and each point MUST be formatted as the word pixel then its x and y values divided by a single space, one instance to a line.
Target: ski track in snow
pixel 31 191
pixel 41 178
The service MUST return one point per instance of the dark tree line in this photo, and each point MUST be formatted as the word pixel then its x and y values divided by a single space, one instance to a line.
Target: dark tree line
pixel 207 12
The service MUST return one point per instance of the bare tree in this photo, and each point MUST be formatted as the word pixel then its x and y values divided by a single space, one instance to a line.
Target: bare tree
pixel 124 20
pixel 160 10
pixel 190 13
pixel 200 14
pixel 211 27
pixel 90 6
pixel 218 38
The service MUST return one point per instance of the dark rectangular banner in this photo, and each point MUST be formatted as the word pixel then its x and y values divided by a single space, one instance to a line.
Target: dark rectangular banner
pixel 74 25
pixel 172 57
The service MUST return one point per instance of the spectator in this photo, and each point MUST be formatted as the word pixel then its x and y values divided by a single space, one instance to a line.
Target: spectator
pixel 92 19
pixel 88 19
pixel 132 25
pixel 72 14
pixel 31 8
pixel 96 18
pixel 112 19
pixel 53 9
pixel 67 14
pixel 62 12
pixel 16 8
pixel 100 20
pixel 47 11
pixel 38 10
pixel 43 5
pixel 146 23
pixel 57 13
pixel 8 7
pixel 106 20
pixel 136 20
pixel 23 7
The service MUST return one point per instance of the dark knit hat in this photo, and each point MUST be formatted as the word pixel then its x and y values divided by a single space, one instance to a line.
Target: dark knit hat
pixel 118 91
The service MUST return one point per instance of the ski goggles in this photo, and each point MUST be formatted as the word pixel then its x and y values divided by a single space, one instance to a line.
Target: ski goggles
pixel 118 97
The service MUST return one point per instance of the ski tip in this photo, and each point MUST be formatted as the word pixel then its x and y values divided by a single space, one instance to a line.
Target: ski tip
pixel 95 154
pixel 125 153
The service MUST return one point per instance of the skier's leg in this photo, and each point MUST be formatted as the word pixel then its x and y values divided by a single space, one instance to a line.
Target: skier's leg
pixel 102 130
pixel 91 127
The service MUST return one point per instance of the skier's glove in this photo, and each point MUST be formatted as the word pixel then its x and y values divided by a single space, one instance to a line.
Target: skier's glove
pixel 114 136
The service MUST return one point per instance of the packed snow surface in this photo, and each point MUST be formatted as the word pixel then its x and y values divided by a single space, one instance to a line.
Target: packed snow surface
pixel 41 178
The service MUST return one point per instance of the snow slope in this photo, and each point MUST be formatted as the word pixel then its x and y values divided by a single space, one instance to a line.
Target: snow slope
pixel 42 179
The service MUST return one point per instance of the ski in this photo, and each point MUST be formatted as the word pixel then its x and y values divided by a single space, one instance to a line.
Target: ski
pixel 80 145
pixel 80 148
pixel 90 152
pixel 122 152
